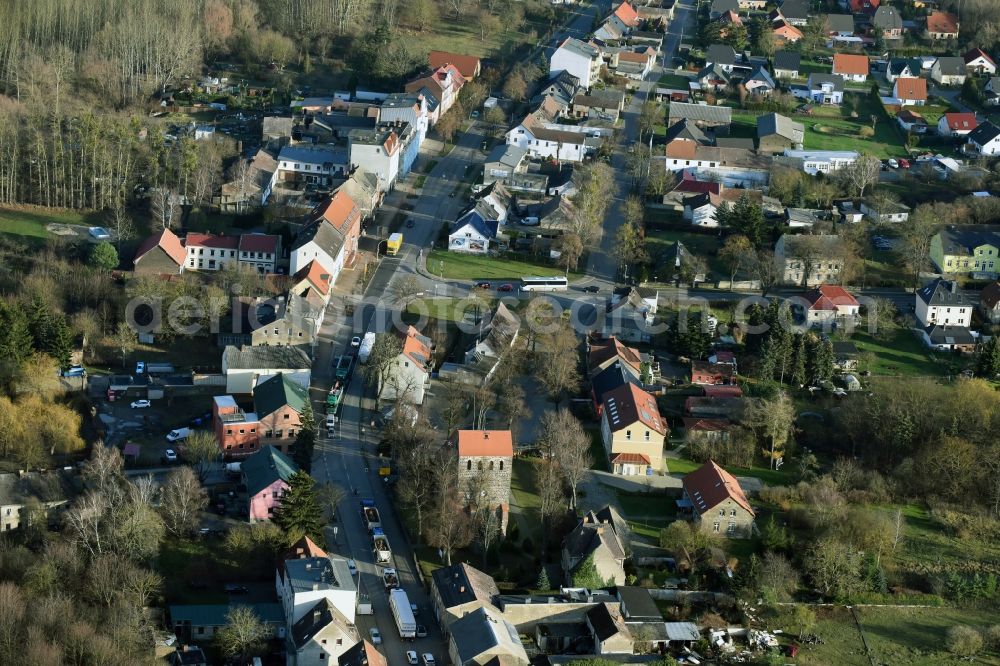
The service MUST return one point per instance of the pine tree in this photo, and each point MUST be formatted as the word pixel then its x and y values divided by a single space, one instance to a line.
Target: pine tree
pixel 300 511
pixel 543 583
pixel 16 341
pixel 798 376
pixel 305 440
pixel 61 341
pixel 39 323
pixel 988 360
pixel 820 360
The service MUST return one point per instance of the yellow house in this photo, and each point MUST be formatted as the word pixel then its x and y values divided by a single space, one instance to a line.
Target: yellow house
pixel 633 431
pixel 971 249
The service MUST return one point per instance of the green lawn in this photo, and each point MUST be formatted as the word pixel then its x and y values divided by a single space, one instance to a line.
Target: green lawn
pixel 446 309
pixel 29 222
pixel 597 451
pixel 674 81
pixel 461 266
pixel 770 477
pixel 902 354
pixel 647 514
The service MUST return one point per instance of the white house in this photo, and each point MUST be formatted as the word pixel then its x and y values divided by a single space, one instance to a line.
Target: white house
pixel 245 367
pixel 701 209
pixel 809 259
pixel 472 232
pixel 910 91
pixel 410 374
pixel 985 139
pixel 823 161
pixel 406 107
pixel 542 141
pixel 302 582
pixel 851 67
pixel 942 302
pixel 260 251
pixel 320 636
pixel 889 211
pixel 957 124
pixel 581 59
pixel 312 165
pixel 829 304
pixel 949 71
pixel 319 242
pixel 822 89
pixel 377 151
pixel 979 62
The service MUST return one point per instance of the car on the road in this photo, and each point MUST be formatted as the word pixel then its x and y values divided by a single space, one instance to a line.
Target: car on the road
pixel 474 114
pixel 233 588
pixel 169 456
pixel 483 285
pixel 904 164
pixel 178 434
pixel 591 289
pixel 421 631
pixel 356 341
pixel 416 609
pixel 451 195
pixel 428 659
pixel 140 404
pixel 376 636
pixel 893 164
pixel 140 367
pixel 506 287
pixel 411 658
pixel 352 566
pixel 410 223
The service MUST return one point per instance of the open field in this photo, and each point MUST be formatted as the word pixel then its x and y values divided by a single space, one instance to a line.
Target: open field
pixel 29 222
pixel 902 354
pixel 769 476
pixel 460 266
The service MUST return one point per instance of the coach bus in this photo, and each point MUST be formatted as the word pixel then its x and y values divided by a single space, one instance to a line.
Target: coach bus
pixel 544 284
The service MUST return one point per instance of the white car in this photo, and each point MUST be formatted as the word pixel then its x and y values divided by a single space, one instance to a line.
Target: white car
pixel 893 164
pixel 141 404
pixel 170 456
pixel 140 367
pixel 179 434
pixel 428 659
pixel 411 658
pixel 352 565
pixel 356 341
pixel 376 636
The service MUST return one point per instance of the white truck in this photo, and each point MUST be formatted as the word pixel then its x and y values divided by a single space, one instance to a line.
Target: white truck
pixel 365 350
pixel 403 613
pixel 380 547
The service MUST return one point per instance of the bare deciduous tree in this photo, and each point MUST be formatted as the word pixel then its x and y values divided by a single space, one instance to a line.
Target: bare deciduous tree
pixel 563 437
pixel 182 500
pixel 862 174
pixel 243 635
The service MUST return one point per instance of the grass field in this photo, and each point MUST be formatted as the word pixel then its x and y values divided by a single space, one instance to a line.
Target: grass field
pixel 840 131
pixel 768 476
pixel 701 245
pixel 460 266
pixel 902 354
pixel 445 309
pixel 29 222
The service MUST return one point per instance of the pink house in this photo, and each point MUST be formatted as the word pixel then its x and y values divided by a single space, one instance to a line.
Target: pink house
pixel 266 474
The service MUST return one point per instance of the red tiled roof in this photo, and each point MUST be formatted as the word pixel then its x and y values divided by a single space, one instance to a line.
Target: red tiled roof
pixel 731 17
pixel 829 297
pixel 304 548
pixel 468 66
pixel 630 459
pixel 866 6
pixel 697 186
pixel 908 88
pixel 706 425
pixel 211 240
pixel 602 352
pixel 627 15
pixel 317 276
pixel 961 122
pixel 167 240
pixel 722 391
pixel 498 443
pixel 628 404
pixel 339 210
pixel 258 243
pixel 632 56
pixel 710 485
pixel 847 63
pixel 786 30
pixel 945 22
pixel 415 348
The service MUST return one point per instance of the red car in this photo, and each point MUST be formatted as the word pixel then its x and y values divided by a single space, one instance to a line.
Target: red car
pixel 904 164
pixel 506 287
pixel 483 285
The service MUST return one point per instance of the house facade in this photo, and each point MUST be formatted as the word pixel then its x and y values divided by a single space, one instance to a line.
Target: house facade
pixel 942 25
pixel 279 403
pixel 949 71
pixel 600 535
pixel 825 88
pixel 302 582
pixel 969 249
pixel 379 151
pixel 808 260
pixel 459 589
pixel 410 374
pixel 985 139
pixel 473 232
pixel 941 302
pixel 831 304
pixel 978 62
pixel 853 68
pixel 320 636
pixel 236 431
pixel 160 254
pixel 266 474
pixel 717 503
pixel 581 59
pixel 633 431
pixel 485 459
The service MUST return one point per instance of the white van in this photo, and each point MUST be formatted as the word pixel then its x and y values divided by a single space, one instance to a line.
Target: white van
pixel 179 434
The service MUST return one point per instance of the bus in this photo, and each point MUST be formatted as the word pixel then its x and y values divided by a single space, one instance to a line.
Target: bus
pixel 544 284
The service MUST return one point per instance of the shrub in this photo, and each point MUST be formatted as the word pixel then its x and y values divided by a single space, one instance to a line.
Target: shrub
pixel 992 636
pixel 964 640
pixel 866 132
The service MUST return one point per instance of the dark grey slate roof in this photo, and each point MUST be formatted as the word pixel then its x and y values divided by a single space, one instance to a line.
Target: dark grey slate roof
pixel 788 60
pixel 887 18
pixel 775 123
pixel 943 292
pixel 950 65
pixel 949 335
pixel 819 79
pixel 963 239
pixel 720 54
pixel 985 133
pixel 266 357
pixel 794 9
pixel 637 604
pixel 840 23
pixel 460 584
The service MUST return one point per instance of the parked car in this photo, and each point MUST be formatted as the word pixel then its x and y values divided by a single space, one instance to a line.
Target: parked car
pixel 140 367
pixel 893 164
pixel 233 588
pixel 179 434
pixel 353 567
pixel 421 631
pixel 506 287
pixel 428 659
pixel 356 341
pixel 483 285
pixel 411 658
pixel 140 404
pixel 376 636
pixel 410 223
pixel 591 289
pixel 169 456
pixel 74 371
pixel 904 164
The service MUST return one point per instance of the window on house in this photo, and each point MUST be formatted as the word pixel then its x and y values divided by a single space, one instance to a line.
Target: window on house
pixel 286 417
pixel 715 527
pixel 731 528
pixel 501 465
pixel 628 434
pixel 647 435
pixel 201 630
pixel 732 512
pixel 479 465
pixel 468 465
pixel 277 433
pixel 722 512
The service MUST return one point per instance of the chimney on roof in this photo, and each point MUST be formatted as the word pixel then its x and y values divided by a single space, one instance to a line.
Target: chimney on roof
pixel 316 615
pixel 461 589
pixel 954 286
pixel 315 587
pixel 586 518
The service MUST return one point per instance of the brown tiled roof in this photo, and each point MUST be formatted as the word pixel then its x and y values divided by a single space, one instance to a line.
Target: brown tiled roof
pixel 709 485
pixel 211 240
pixel 498 443
pixel 317 276
pixel 258 243
pixel 706 425
pixel 942 22
pixel 628 404
pixel 847 63
pixel 167 240
pixel 466 64
pixel 601 352
pixel 907 88
pixel 415 347
pixel 339 210
pixel 829 297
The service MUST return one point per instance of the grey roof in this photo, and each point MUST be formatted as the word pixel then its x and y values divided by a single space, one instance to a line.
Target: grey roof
pixel 840 23
pixel 278 126
pixel 318 618
pixel 787 60
pixel 476 219
pixel 682 631
pixel 41 486
pixel 580 48
pixel 721 54
pixel 596 530
pixel 950 65
pixel 734 142
pixel 816 80
pixel 700 112
pixel 777 124
pixel 949 335
pixel 265 358
pixel 310 154
pixel 328 573
pixel 607 621
pixel 963 239
pixel 943 292
pixel 637 604
pixel 794 9
pixel 713 70
pixel 760 73
pixel 323 234
pixel 829 243
pixel 401 100
pixel 507 155
pixel 483 630
pixel 887 18
pixel 686 129
pixel 985 133
pixel 897 66
pixel 461 584
pixel 723 6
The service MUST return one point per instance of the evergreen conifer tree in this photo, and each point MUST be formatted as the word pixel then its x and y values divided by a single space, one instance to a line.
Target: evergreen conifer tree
pixel 300 511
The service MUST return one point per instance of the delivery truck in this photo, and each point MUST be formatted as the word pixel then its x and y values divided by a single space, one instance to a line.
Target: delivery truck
pixel 366 347
pixel 369 513
pixel 393 244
